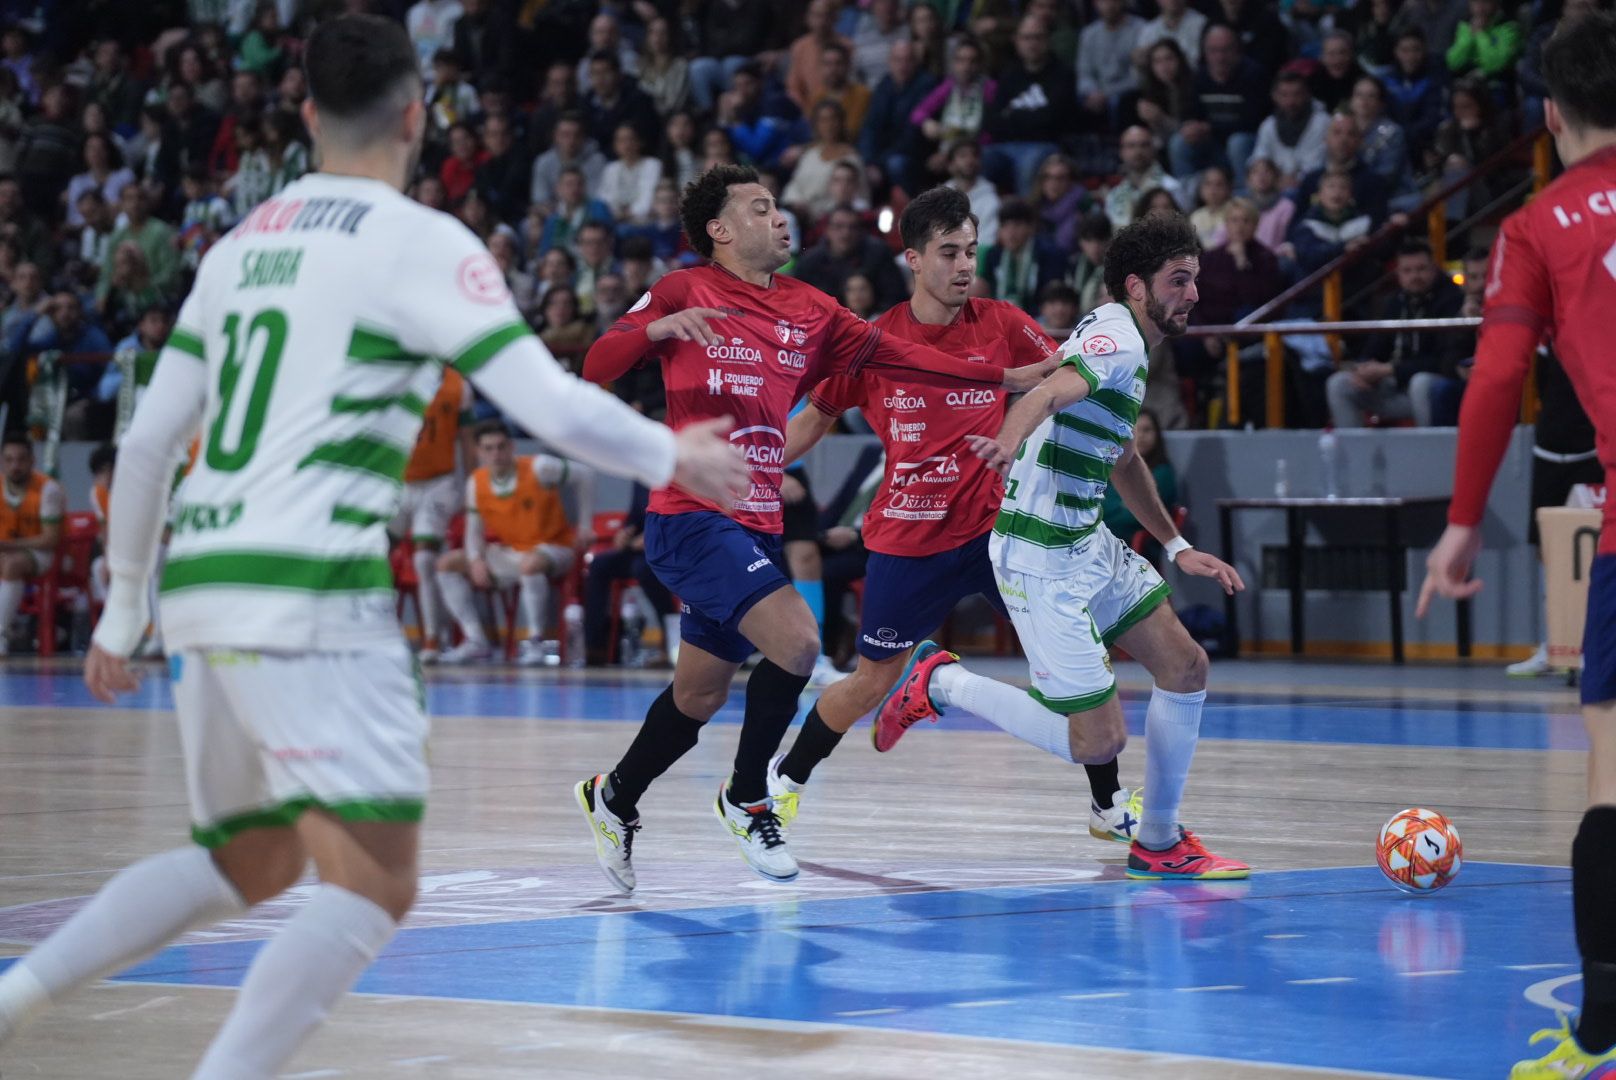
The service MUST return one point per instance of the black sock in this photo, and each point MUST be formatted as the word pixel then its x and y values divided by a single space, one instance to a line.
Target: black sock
pixel 666 736
pixel 814 744
pixel 771 705
pixel 1593 893
pixel 1104 782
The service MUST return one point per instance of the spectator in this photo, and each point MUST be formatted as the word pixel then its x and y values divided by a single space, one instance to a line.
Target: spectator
pixel 1472 134
pixel 450 100
pixel 835 78
pixel 558 97
pixel 664 74
pixel 505 176
pixel 1237 278
pixel 1225 111
pixel 1105 69
pixel 246 101
pixel 149 336
pixel 429 192
pixel 1155 201
pixel 23 227
pixel 104 172
pixel 1415 92
pixel 1060 24
pixel 663 233
pixel 732 34
pixel 1332 226
pixel 96 232
pixel 292 90
pixel 681 160
pixel 431 26
pixel 1487 44
pixel 1212 205
pixel 1141 172
pixel 1343 150
pixel 879 27
pixel 207 216
pixel 805 74
pixel 858 296
pixel 1149 445
pixel 1177 22
pixel 594 260
pixel 1059 201
pixel 1086 274
pixel 760 127
pixel 480 44
pixel 628 184
pixel 717 148
pixel 524 286
pixel 249 184
pixel 557 267
pixel 1436 21
pixel 284 155
pixel 929 39
pixel 1015 265
pixel 16 47
pixel 1293 137
pixel 1385 150
pixel 573 149
pixel 563 328
pixel 1165 90
pixel 606 36
pixel 194 126
pixel 466 156
pixel 113 88
pixel 1338 71
pixel 965 173
pixel 29 302
pixel 63 327
pixel 1032 107
pixel 154 238
pixel 1261 36
pixel 1374 37
pixel 641 268
pixel 1058 309
pixel 573 209
pixel 845 251
pixel 48 154
pixel 12 123
pixel 809 192
pixel 190 65
pixel 1274 211
pixel 1529 71
pixel 129 291
pixel 956 110
pixel 1396 371
pixel 624 560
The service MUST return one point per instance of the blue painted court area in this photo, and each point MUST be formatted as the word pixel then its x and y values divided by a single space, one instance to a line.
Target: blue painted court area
pixel 1328 968
pixel 1292 717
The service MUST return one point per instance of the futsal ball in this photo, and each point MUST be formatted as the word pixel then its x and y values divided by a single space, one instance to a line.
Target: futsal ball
pixel 1419 850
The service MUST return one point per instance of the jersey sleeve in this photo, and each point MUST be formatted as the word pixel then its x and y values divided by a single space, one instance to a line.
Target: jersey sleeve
pixel 628 342
pixel 449 298
pixel 837 394
pixel 1099 351
pixel 856 345
pixel 1028 342
pixel 1518 282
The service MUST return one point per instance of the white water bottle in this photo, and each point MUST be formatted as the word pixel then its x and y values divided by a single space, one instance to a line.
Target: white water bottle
pixel 1330 457
pixel 1282 483
pixel 572 617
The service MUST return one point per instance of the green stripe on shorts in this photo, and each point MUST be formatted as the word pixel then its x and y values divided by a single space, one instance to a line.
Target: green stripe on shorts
pixel 283 815
pixel 1069 705
pixel 1137 614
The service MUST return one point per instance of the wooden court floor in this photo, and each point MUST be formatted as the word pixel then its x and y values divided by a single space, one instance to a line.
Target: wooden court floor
pixel 953 919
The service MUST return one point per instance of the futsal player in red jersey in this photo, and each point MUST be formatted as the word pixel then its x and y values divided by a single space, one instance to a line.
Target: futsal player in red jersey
pixel 735 340
pixel 928 525
pixel 1553 275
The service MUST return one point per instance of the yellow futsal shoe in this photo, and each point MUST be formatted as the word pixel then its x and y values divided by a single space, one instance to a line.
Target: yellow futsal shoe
pixel 1567 1061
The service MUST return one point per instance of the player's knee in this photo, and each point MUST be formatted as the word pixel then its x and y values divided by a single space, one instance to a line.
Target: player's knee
pixel 262 864
pixel 1095 744
pixel 397 895
pixel 800 653
pixel 1191 671
pixel 701 703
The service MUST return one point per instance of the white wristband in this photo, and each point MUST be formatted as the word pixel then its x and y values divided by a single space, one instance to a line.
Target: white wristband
pixel 1174 546
pixel 124 618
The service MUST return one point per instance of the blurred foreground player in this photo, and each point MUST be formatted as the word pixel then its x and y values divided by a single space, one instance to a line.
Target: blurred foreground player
pixel 1553 274
pixel 302 355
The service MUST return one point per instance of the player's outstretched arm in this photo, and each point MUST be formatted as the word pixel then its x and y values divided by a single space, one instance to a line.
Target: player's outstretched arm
pixel 1065 387
pixel 624 345
pixel 1137 487
pixel 804 432
pixel 168 415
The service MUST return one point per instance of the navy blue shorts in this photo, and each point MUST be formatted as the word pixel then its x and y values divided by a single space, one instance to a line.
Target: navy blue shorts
pixel 1599 634
pixel 719 570
pixel 908 597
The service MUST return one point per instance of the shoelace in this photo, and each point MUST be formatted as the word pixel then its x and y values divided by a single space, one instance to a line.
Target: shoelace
pixel 767 825
pixel 629 829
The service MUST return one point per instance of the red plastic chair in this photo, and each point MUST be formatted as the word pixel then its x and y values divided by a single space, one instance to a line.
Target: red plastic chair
pixel 66 581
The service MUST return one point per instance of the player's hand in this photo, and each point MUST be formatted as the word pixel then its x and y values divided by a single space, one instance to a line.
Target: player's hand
pixel 1200 564
pixel 791 490
pixel 1447 568
pixel 107 675
pixel 1020 380
pixel 692 324
pixel 709 465
pixel 478 570
pixel 838 537
pixel 992 452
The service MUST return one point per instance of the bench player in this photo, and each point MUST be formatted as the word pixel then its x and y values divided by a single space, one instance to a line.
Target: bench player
pixel 310 336
pixel 928 525
pixel 30 525
pixel 1553 274
pixel 432 496
pixel 736 340
pixel 1072 588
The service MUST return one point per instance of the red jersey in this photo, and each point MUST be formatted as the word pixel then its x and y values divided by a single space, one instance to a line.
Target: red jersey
pixel 936 494
pixel 778 338
pixel 1553 274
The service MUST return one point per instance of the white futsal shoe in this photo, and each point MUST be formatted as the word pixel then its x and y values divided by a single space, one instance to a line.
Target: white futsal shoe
pixel 759 833
pixel 1120 820
pixel 467 652
pixel 614 837
pixel 784 792
pixel 1533 666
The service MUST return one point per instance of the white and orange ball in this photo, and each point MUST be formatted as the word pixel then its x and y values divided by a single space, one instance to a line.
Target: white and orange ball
pixel 1419 850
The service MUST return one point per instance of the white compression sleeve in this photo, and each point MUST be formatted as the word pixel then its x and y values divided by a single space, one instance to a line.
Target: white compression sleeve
pixel 577 418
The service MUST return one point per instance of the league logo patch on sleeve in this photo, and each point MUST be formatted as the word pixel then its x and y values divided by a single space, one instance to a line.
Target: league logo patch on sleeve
pixel 641 304
pixel 1098 345
pixel 481 279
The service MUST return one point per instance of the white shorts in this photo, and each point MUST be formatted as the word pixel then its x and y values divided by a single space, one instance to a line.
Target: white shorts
pixel 428 507
pixel 1066 624
pixel 505 564
pixel 269 735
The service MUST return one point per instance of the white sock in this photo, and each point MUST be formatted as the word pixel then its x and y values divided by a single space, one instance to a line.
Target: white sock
pixel 143 908
pixel 463 606
pixel 431 603
pixel 999 703
pixel 1172 727
pixel 535 593
pixel 10 601
pixel 315 958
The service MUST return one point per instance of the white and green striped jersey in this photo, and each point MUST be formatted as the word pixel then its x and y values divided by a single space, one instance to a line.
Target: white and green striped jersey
pixel 1056 485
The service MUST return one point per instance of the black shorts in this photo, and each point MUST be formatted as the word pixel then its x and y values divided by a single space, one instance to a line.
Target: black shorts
pixel 1552 482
